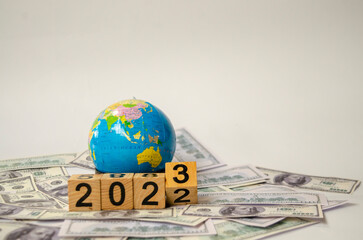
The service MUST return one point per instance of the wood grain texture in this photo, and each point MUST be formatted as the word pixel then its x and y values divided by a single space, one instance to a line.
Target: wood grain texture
pixel 78 187
pixel 145 185
pixel 117 191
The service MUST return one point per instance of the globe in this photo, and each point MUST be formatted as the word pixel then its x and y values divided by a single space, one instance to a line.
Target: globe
pixel 131 136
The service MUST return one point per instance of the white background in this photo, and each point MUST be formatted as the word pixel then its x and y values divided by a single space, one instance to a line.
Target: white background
pixel 272 83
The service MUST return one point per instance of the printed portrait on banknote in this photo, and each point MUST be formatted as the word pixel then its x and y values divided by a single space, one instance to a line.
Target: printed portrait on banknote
pixel 8 209
pixel 33 232
pixel 9 174
pixel 240 210
pixel 292 179
pixel 124 213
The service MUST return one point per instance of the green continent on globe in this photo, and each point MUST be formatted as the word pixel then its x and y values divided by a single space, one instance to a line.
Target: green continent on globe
pixel 151 156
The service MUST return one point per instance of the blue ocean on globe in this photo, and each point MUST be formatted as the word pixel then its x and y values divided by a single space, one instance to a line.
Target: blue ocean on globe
pixel 131 136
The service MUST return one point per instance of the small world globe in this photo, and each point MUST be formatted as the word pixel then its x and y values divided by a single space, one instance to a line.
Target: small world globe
pixel 131 136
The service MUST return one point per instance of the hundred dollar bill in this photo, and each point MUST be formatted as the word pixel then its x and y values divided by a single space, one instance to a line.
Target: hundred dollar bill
pixel 329 184
pixel 117 214
pixel 18 185
pixel 244 187
pixel 56 187
pixel 247 184
pixel 258 221
pixel 16 230
pixel 37 173
pixel 30 199
pixel 234 211
pixel 15 212
pixel 231 230
pixel 179 219
pixel 270 188
pixel 214 189
pixel 188 149
pixel 261 198
pixel 131 228
pixel 236 175
pixel 83 160
pixel 36 162
pixel 334 203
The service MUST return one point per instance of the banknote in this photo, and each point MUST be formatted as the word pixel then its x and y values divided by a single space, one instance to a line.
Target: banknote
pixel 258 221
pixel 83 160
pixel 334 203
pixel 34 199
pixel 18 185
pixel 247 184
pixel 56 187
pixel 261 198
pixel 115 214
pixel 20 231
pixel 328 184
pixel 269 188
pixel 234 211
pixel 178 218
pixel 188 149
pixel 243 187
pixel 131 228
pixel 37 173
pixel 227 229
pixel 214 189
pixel 36 162
pixel 235 175
pixel 15 212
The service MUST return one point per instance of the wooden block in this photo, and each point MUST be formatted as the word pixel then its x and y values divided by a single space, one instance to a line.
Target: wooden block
pixel 181 183
pixel 84 192
pixel 117 191
pixel 149 190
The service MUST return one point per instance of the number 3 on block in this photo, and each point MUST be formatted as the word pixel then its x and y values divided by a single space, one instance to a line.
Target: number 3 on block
pixel 181 183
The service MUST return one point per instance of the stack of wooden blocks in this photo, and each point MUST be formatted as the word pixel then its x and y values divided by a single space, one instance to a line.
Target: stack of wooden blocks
pixel 117 191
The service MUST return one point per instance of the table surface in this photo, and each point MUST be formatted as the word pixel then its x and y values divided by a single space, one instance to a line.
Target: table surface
pixel 270 83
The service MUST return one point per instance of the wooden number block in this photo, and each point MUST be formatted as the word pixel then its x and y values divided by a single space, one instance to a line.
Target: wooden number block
pixel 181 183
pixel 149 190
pixel 84 192
pixel 117 191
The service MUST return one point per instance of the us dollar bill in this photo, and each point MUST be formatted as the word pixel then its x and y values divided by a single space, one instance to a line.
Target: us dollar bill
pixel 34 199
pixel 227 229
pixel 188 149
pixel 36 162
pixel 214 189
pixel 179 219
pixel 116 214
pixel 237 175
pixel 83 160
pixel 234 211
pixel 261 198
pixel 269 188
pixel 18 185
pixel 15 212
pixel 56 187
pixel 258 221
pixel 131 228
pixel 38 174
pixel 17 230
pixel 328 184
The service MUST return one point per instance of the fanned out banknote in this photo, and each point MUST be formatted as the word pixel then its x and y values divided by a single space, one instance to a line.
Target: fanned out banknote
pixel 37 162
pixel 18 185
pixel 258 221
pixel 33 199
pixel 83 160
pixel 227 229
pixel 132 228
pixel 17 230
pixel 214 189
pixel 232 176
pixel 235 211
pixel 38 174
pixel 56 187
pixel 261 198
pixel 188 149
pixel 328 184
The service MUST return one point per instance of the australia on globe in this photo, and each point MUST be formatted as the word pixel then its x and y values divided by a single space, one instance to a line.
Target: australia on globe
pixel 131 136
